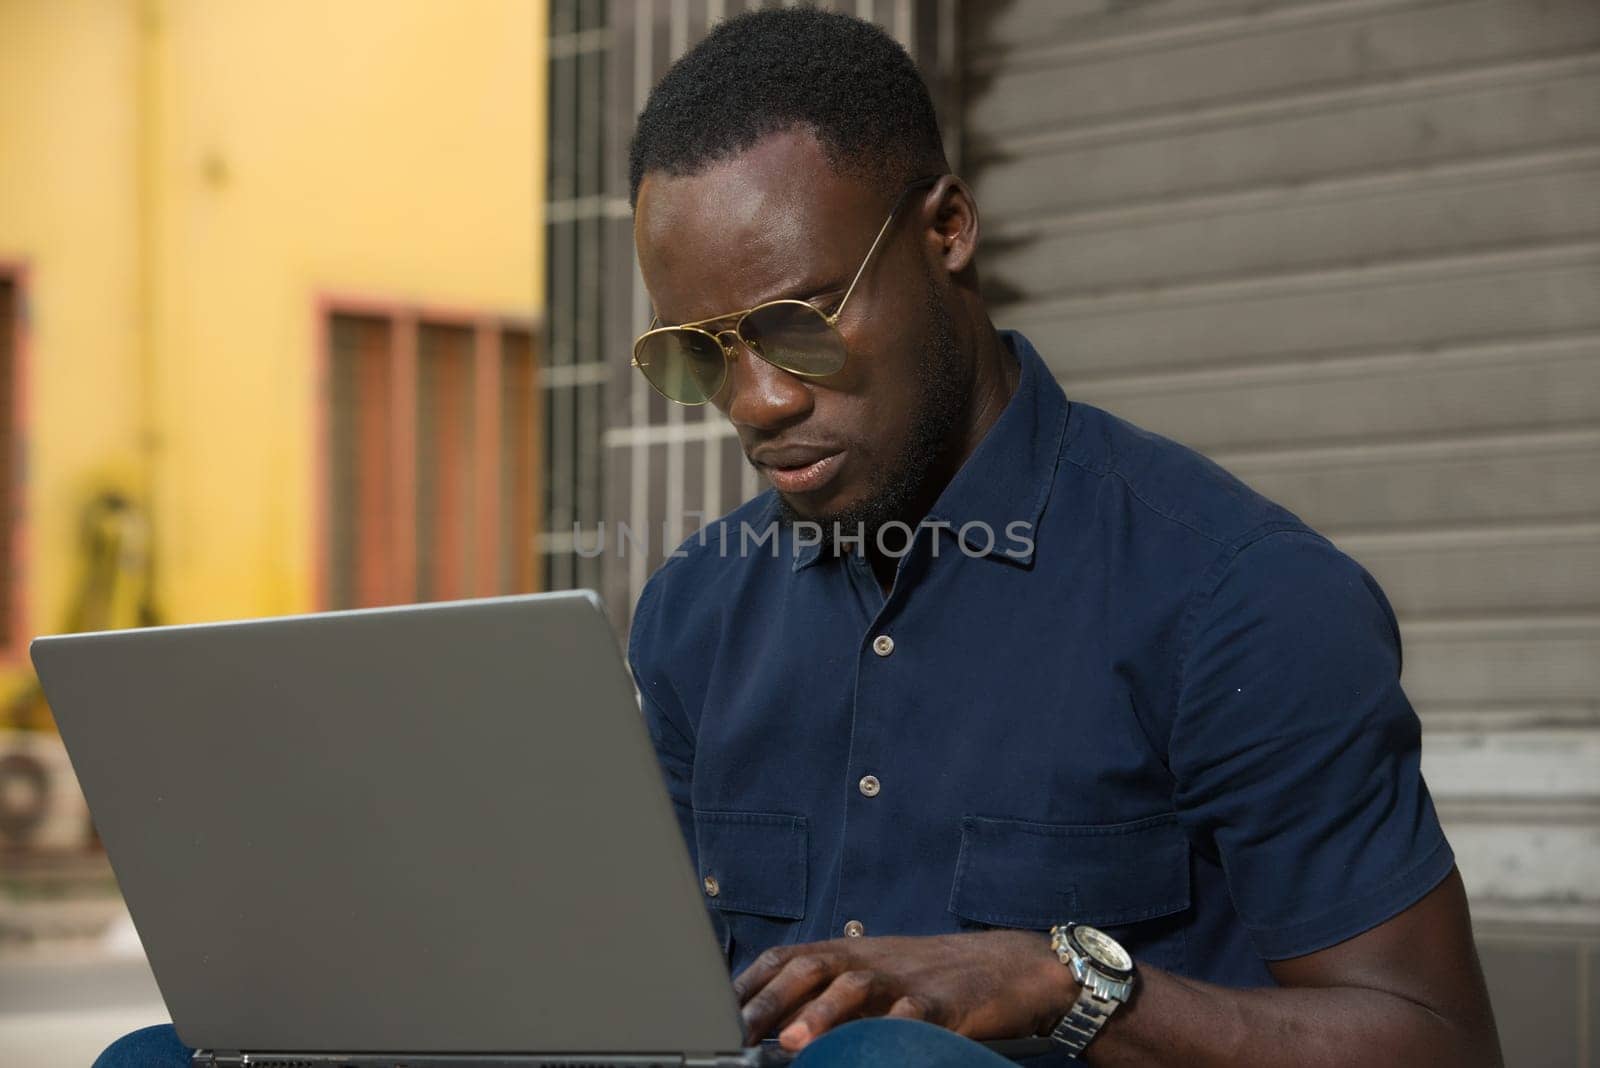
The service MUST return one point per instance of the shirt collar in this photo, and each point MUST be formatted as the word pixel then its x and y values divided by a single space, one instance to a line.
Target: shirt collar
pixel 1008 478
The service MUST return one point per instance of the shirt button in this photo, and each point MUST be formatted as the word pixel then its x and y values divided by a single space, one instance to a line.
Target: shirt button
pixel 883 645
pixel 854 929
pixel 869 786
pixel 713 888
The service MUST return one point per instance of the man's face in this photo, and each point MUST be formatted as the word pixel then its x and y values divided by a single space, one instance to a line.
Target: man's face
pixel 778 221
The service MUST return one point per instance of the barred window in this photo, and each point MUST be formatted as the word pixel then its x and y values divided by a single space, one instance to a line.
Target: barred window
pixel 429 457
pixel 12 623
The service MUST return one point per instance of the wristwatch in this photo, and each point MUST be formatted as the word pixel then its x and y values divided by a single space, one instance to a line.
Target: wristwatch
pixel 1104 972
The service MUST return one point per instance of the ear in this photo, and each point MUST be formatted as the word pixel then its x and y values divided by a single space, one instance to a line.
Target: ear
pixel 952 214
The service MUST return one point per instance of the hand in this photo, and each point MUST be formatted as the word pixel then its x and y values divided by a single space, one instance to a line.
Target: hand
pixel 985 985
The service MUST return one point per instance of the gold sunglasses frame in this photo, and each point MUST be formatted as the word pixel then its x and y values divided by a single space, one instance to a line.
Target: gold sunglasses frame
pixel 729 351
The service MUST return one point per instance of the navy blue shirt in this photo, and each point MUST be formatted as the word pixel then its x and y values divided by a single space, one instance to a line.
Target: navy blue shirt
pixel 1163 706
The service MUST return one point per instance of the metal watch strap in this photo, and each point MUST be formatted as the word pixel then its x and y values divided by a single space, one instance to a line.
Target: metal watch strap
pixel 1079 1026
pixel 1099 991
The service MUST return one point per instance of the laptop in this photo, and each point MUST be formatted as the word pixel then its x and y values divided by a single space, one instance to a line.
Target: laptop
pixel 414 837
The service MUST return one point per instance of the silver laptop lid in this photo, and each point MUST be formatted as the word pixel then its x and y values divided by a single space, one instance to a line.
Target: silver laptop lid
pixel 428 828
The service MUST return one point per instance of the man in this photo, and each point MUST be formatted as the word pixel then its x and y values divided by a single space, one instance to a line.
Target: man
pixel 1008 664
pixel 985 662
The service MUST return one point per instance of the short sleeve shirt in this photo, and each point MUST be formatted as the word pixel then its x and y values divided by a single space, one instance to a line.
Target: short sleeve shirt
pixel 1110 685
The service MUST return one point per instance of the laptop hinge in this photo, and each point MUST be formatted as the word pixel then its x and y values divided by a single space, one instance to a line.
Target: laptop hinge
pixel 218 1058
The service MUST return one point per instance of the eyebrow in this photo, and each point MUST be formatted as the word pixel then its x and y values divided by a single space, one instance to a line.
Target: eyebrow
pixel 805 292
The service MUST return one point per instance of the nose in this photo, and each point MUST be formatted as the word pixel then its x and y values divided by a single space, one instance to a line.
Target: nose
pixel 759 395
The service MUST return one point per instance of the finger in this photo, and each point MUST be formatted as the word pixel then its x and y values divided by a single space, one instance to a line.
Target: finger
pixel 851 994
pixel 794 984
pixel 911 1007
pixel 761 971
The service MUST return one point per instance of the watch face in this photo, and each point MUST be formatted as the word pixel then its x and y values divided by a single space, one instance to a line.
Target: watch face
pixel 1102 949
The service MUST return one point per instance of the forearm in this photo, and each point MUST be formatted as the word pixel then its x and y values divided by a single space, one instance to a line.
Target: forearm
pixel 1188 1024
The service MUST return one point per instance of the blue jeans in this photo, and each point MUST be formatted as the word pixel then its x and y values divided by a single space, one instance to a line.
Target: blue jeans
pixel 855 1045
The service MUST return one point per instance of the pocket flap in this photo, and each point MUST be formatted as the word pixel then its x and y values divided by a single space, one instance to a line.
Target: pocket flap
pixel 755 860
pixel 1012 873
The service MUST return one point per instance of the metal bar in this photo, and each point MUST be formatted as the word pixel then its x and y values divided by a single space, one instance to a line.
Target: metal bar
pixel 487 360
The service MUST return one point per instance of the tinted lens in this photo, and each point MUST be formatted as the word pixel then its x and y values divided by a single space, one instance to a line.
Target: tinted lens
pixel 686 366
pixel 793 335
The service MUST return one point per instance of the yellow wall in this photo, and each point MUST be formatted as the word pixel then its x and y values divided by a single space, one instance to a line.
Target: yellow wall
pixel 68 146
pixel 184 178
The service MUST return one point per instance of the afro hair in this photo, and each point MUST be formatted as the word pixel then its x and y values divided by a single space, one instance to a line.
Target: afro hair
pixel 775 69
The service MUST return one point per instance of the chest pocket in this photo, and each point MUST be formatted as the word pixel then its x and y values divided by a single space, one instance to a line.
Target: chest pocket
pixel 1130 879
pixel 753 875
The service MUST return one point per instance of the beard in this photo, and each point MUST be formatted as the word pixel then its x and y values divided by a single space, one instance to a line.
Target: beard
pixel 902 487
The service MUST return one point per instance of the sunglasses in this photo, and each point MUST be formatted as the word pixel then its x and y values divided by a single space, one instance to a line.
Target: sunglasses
pixel 689 363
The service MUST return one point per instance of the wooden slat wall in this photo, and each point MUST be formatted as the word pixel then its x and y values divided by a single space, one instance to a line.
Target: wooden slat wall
pixel 1351 250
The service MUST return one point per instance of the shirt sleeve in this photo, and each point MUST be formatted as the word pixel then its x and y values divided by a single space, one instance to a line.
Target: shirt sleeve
pixel 670 732
pixel 1295 751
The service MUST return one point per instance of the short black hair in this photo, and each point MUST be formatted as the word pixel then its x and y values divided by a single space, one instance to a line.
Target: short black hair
pixel 774 69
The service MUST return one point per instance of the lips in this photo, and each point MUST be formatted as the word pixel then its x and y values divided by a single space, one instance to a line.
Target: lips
pixel 799 469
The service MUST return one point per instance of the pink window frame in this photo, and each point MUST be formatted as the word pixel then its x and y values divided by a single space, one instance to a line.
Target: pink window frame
pixel 405 319
pixel 16 611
